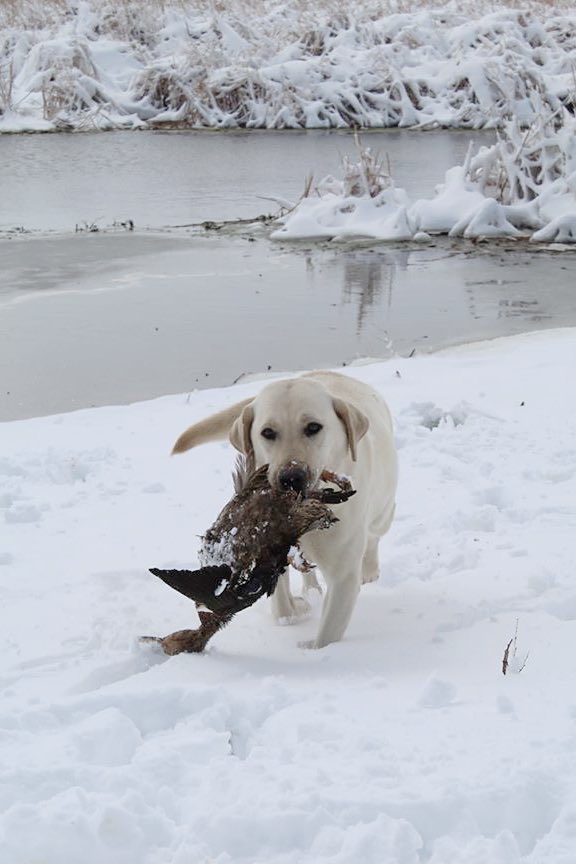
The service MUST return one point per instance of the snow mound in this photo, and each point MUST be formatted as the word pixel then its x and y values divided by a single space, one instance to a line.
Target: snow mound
pixel 96 64
pixel 404 743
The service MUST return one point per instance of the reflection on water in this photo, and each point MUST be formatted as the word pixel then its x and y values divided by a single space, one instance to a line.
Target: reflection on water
pixel 367 278
pixel 530 309
pixel 371 281
pixel 512 298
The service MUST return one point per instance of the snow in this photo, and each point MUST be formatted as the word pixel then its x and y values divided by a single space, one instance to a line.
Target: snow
pixel 98 65
pixel 403 743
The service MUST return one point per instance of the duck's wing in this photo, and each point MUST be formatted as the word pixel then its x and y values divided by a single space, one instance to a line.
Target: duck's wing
pixel 205 585
pixel 217 589
pixel 261 579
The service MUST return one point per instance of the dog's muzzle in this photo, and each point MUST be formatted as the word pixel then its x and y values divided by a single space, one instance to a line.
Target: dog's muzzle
pixel 295 477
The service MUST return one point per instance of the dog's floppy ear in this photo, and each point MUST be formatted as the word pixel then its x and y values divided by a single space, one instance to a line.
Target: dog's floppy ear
pixel 241 433
pixel 355 423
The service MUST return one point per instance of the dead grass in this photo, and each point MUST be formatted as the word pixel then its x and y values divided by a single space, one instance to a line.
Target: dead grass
pixel 370 175
pixel 41 13
pixel 6 85
pixel 32 14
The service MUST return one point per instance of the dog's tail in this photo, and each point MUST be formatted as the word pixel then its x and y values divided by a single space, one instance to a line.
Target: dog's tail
pixel 214 428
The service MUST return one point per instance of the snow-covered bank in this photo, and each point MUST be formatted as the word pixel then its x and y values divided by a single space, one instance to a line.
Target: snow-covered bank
pixel 404 743
pixel 268 64
pixel 521 187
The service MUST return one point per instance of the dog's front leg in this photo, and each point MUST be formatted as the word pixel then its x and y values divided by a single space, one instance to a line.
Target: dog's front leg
pixel 343 575
pixel 337 609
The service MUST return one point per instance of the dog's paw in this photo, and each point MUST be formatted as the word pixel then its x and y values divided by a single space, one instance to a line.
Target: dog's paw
pixel 370 576
pixel 301 607
pixel 310 583
pixel 308 644
pixel 297 609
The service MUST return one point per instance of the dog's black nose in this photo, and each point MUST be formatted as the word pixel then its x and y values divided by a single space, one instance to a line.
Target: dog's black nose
pixel 294 477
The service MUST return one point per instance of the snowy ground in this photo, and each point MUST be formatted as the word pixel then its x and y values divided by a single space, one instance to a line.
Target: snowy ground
pixel 271 64
pixel 404 743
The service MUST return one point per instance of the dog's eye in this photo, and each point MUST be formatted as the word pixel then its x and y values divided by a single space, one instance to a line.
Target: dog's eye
pixel 312 429
pixel 268 433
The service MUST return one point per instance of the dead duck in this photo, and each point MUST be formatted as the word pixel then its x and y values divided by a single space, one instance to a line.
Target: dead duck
pixel 246 550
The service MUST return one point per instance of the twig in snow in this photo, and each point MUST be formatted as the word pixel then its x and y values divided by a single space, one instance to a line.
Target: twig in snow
pixel 505 658
pixel 517 665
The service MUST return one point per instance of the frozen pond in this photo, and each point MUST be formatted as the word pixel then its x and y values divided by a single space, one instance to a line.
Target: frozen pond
pixel 93 319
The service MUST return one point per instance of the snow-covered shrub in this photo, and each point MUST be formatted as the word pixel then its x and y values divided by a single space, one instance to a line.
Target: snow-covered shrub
pixel 523 162
pixel 67 79
pixel 364 203
pixel 189 96
pixel 237 94
pixel 268 64
pixel 165 88
pixel 138 25
pixel 532 174
pixel 522 186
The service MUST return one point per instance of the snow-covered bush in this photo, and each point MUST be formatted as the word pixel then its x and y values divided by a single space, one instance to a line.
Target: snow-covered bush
pixel 66 78
pixel 523 161
pixel 522 186
pixel 271 64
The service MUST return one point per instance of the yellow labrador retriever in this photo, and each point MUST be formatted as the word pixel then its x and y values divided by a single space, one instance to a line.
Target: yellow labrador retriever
pixel 299 427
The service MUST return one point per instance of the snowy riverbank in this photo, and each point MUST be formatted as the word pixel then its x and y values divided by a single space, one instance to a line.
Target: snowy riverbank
pixel 95 64
pixel 404 743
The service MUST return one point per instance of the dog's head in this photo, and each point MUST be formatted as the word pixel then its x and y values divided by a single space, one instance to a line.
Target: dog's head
pixel 298 429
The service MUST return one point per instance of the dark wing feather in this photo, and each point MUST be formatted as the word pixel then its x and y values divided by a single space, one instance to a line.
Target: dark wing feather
pixel 335 496
pixel 219 590
pixel 199 585
pixel 262 579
